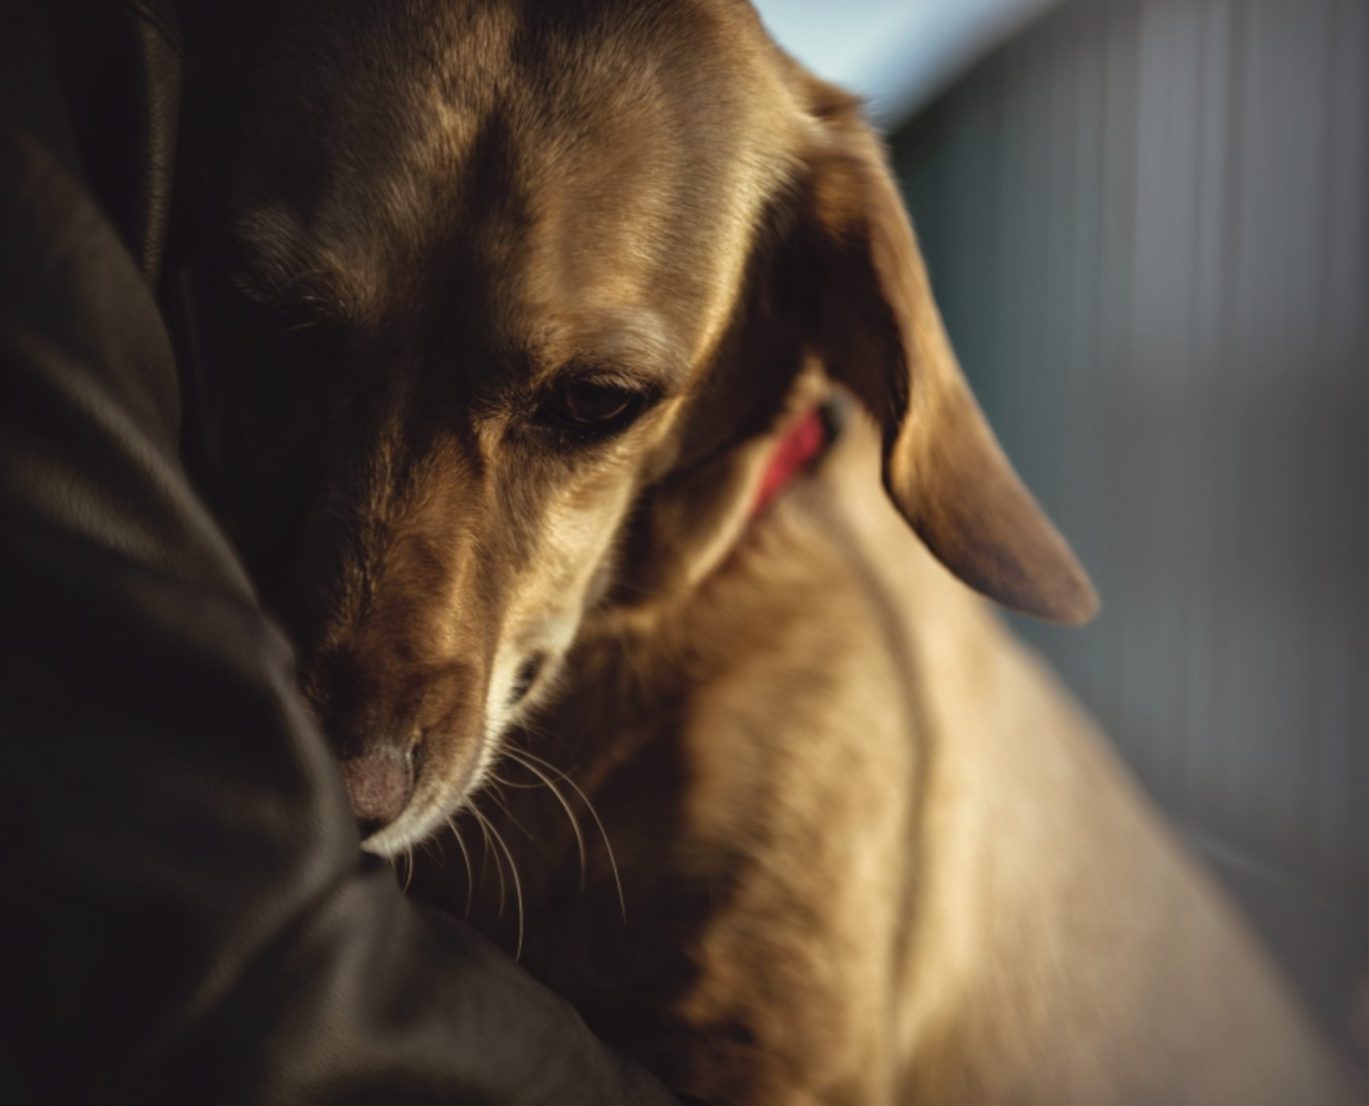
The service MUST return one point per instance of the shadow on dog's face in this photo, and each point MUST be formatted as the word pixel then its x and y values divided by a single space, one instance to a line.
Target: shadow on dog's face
pixel 487 273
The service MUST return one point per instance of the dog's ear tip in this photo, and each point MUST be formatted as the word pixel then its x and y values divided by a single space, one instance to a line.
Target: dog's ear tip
pixel 1089 607
pixel 1068 598
pixel 1075 603
pixel 979 520
pixel 1027 567
pixel 1056 588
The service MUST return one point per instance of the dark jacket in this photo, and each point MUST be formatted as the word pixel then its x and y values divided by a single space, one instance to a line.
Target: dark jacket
pixel 188 917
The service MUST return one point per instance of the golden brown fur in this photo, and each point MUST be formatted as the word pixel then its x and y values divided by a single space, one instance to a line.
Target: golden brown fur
pixel 869 850
pixel 870 853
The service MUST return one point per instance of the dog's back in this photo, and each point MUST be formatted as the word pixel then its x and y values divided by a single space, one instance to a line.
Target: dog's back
pixel 1066 950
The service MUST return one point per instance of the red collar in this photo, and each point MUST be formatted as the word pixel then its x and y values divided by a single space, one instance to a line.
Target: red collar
pixel 803 443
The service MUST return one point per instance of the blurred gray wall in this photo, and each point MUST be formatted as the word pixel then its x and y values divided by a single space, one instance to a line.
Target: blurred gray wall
pixel 1147 222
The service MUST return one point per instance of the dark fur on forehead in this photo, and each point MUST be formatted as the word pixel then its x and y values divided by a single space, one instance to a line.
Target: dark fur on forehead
pixel 456 123
pixel 549 66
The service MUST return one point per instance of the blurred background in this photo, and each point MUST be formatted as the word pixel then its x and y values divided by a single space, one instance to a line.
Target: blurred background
pixel 1147 223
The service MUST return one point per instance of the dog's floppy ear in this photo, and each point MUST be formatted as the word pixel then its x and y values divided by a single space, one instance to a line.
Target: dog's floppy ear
pixel 878 331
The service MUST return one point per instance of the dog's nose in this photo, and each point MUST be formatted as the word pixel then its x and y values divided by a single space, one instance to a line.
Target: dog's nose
pixel 379 782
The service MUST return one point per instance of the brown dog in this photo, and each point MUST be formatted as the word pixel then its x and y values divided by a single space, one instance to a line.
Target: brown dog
pixel 515 302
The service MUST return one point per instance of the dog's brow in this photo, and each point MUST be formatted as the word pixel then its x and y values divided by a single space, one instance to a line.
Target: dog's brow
pixel 638 341
pixel 276 264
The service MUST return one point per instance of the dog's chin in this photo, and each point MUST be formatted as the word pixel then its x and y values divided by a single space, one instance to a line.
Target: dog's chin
pixel 399 836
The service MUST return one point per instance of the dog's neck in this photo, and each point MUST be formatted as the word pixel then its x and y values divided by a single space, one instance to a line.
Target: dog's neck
pixel 690 523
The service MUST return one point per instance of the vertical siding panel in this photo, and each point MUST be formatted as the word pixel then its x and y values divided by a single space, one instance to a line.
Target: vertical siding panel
pixel 1226 385
pixel 1345 774
pixel 1118 232
pixel 1249 478
pixel 1201 715
pixel 1307 108
pixel 1143 668
pixel 1181 597
pixel 1076 399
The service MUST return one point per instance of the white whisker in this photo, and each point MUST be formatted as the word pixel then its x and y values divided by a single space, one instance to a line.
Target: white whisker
pixel 513 872
pixel 513 783
pixel 498 796
pixel 466 859
pixel 516 755
pixel 603 833
pixel 485 830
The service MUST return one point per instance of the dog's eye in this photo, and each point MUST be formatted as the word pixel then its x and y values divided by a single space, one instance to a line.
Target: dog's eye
pixel 590 407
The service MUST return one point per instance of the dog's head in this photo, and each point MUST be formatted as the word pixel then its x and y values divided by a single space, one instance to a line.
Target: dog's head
pixel 500 281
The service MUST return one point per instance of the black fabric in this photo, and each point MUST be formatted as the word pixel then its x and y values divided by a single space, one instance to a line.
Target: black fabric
pixel 188 917
pixel 119 65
